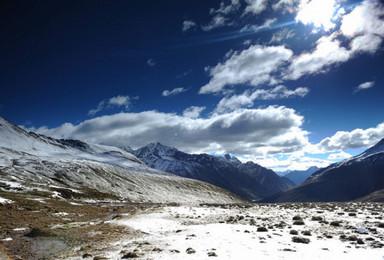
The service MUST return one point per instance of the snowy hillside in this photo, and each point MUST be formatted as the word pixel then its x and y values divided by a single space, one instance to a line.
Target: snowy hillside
pixel 34 162
pixel 347 180
pixel 248 180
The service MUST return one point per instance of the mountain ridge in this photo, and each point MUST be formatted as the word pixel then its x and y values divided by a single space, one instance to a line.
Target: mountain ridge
pixel 350 179
pixel 248 180
pixel 30 162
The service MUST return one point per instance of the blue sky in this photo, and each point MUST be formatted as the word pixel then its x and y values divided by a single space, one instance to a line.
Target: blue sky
pixel 285 83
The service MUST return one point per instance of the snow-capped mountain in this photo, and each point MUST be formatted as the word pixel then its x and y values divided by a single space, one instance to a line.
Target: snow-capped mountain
pixel 31 162
pixel 248 180
pixel 347 180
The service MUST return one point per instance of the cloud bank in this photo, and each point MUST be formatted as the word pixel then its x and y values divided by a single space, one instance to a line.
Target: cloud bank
pixel 272 130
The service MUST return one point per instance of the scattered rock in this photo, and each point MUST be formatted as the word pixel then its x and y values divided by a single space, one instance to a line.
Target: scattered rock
pixel 190 251
pixel 306 233
pixel 288 250
pixel 298 222
pixel 335 223
pixel 130 255
pixel 302 240
pixel 293 232
pixel 212 254
pixel 262 229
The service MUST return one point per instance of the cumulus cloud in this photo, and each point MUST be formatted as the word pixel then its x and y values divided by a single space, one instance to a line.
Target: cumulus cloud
pixel 325 10
pixel 358 138
pixel 173 92
pixel 364 85
pixel 252 66
pixel 255 6
pixel 328 52
pixel 188 25
pixel 269 130
pixel 118 101
pixel 363 29
pixel 247 98
pixel 193 112
pixel 366 18
pixel 339 156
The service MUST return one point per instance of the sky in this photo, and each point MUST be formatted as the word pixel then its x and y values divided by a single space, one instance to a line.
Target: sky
pixel 287 84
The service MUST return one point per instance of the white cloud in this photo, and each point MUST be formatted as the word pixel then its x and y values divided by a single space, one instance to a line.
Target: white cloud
pixel 319 13
pixel 270 130
pixel 366 18
pixel 252 66
pixel 227 9
pixel 256 28
pixel 286 5
pixel 282 35
pixel 365 26
pixel 188 25
pixel 174 91
pixel 364 85
pixel 292 162
pixel 193 112
pixel 255 6
pixel 339 156
pixel 358 138
pixel 151 62
pixel 366 43
pixel 247 98
pixel 328 52
pixel 118 101
pixel 217 22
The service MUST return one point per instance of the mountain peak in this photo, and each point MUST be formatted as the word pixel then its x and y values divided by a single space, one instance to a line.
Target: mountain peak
pixel 377 148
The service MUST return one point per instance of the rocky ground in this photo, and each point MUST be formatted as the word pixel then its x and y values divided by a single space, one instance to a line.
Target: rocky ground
pixel 263 231
pixel 35 227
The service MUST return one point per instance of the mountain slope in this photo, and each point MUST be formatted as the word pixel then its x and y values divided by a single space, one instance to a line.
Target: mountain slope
pixel 299 177
pixel 348 180
pixel 248 180
pixel 31 162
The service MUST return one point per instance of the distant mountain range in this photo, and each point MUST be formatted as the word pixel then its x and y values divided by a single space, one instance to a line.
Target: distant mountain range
pixel 248 180
pixel 299 177
pixel 32 163
pixel 357 178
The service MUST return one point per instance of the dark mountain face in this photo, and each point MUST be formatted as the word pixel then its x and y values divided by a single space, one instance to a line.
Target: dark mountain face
pixel 299 177
pixel 248 180
pixel 348 180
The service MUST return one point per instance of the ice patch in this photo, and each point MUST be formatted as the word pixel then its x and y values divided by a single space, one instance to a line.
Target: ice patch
pixel 4 201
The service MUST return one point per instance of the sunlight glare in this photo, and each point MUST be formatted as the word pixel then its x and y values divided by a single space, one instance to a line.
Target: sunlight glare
pixel 319 13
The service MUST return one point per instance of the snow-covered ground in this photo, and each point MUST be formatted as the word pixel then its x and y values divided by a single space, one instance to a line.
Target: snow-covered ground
pixel 235 232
